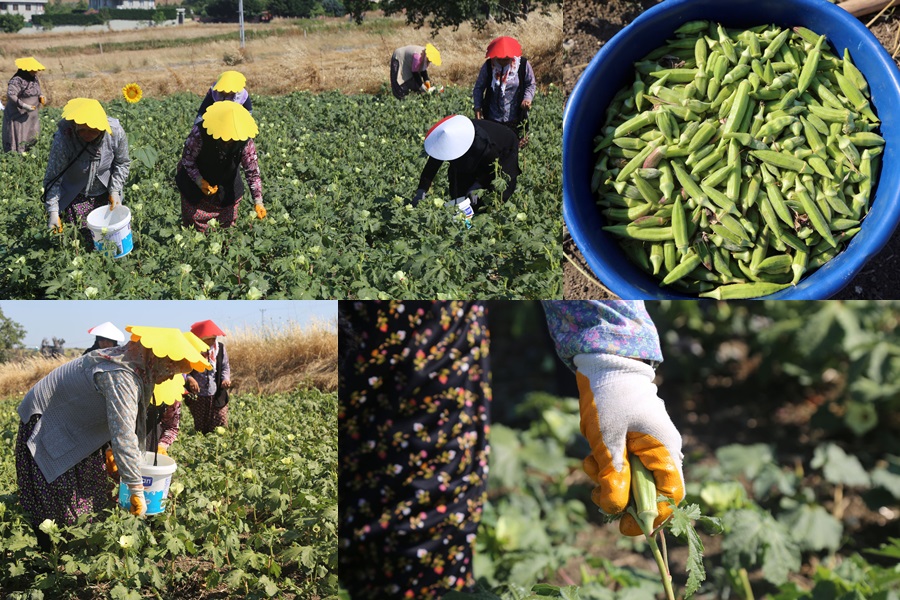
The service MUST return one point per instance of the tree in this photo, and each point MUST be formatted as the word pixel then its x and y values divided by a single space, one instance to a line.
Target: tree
pixel 11 23
pixel 292 8
pixel 357 8
pixel 227 10
pixel 11 335
pixel 453 13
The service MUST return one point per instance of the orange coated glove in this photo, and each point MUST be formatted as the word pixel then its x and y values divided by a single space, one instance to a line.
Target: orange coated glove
pixel 115 199
pixel 260 211
pixel 621 414
pixel 206 188
pixel 111 468
pixel 162 450
pixel 138 502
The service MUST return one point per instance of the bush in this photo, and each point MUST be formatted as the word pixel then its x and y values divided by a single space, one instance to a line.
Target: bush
pixel 11 23
pixel 227 10
pixel 141 14
pixel 293 8
pixel 48 21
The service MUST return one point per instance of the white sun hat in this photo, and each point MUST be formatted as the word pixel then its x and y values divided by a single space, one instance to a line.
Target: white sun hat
pixel 450 137
pixel 108 331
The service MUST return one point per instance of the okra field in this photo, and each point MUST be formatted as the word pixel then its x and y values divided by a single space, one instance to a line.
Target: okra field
pixel 338 174
pixel 252 513
pixel 788 413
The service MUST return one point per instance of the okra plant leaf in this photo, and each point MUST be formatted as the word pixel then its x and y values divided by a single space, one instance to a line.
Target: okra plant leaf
pixel 681 525
pixel 838 466
pixel 888 477
pixel 746 460
pixel 756 538
pixel 814 528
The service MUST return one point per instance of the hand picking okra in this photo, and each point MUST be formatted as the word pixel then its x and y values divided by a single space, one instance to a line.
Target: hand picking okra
pixel 738 161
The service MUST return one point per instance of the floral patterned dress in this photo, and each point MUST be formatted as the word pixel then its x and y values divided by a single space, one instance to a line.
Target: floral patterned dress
pixel 412 431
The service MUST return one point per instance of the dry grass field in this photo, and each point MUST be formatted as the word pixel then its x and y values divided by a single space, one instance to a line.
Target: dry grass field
pixel 263 361
pixel 280 57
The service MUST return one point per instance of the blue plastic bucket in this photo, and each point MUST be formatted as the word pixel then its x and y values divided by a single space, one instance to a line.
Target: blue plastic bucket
pixel 111 226
pixel 156 483
pixel 612 68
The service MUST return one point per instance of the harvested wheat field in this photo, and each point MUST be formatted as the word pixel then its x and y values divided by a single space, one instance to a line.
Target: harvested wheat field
pixel 279 57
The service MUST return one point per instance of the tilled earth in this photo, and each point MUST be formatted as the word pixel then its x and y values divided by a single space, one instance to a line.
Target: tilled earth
pixel 587 25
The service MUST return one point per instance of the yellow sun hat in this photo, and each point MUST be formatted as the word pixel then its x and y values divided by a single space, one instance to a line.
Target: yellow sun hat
pixel 168 342
pixel 196 342
pixel 230 82
pixel 432 54
pixel 29 64
pixel 169 391
pixel 229 121
pixel 86 111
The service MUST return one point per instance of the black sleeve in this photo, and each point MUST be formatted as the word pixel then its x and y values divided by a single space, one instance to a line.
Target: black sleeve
pixel 207 101
pixel 429 173
pixel 248 104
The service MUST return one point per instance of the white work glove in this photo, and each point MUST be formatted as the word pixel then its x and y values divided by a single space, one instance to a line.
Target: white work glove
pixel 115 199
pixel 621 414
pixel 53 222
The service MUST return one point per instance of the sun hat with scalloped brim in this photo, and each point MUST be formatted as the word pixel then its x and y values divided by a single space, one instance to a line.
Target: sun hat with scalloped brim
pixel 229 121
pixel 230 82
pixel 432 54
pixel 29 64
pixel 107 330
pixel 168 342
pixel 450 138
pixel 86 111
pixel 196 342
pixel 169 391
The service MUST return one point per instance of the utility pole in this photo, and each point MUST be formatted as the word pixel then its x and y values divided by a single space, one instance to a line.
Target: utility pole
pixel 262 318
pixel 241 19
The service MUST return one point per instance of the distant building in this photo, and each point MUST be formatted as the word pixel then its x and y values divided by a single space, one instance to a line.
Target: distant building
pixel 24 8
pixel 113 4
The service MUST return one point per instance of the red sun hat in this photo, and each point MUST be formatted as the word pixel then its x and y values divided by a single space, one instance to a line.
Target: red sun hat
pixel 504 47
pixel 206 329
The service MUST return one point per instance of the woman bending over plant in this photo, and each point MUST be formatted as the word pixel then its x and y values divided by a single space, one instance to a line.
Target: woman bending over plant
pixel 209 173
pixel 87 167
pixel 473 150
pixel 94 402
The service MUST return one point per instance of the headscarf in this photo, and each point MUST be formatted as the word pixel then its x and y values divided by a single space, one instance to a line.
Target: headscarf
pixel 501 74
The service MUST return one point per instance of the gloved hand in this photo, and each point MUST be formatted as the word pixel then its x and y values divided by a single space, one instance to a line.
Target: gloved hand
pixel 115 199
pixel 111 468
pixel 418 197
pixel 42 100
pixel 260 210
pixel 526 104
pixel 621 414
pixel 164 450
pixel 53 223
pixel 206 188
pixel 138 502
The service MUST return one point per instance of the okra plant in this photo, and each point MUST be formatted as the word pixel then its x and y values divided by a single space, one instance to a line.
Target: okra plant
pixel 645 511
pixel 738 161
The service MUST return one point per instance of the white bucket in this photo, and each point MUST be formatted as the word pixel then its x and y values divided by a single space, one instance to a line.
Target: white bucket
pixel 111 226
pixel 156 483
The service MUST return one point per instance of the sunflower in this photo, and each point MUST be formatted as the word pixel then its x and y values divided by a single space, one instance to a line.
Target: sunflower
pixel 132 93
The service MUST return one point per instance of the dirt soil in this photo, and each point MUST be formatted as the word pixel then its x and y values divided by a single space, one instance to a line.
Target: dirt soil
pixel 587 25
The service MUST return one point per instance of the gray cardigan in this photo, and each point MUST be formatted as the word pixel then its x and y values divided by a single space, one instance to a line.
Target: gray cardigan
pixel 102 168
pixel 74 421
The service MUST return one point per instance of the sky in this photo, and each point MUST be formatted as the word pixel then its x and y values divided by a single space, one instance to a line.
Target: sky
pixel 70 319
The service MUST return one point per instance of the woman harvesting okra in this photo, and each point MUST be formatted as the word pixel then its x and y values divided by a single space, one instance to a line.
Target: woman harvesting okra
pixel 738 162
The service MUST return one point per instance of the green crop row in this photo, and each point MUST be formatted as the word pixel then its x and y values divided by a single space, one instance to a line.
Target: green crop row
pixel 252 513
pixel 338 173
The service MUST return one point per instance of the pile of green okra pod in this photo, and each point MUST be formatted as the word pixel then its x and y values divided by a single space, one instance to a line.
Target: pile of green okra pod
pixel 738 161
